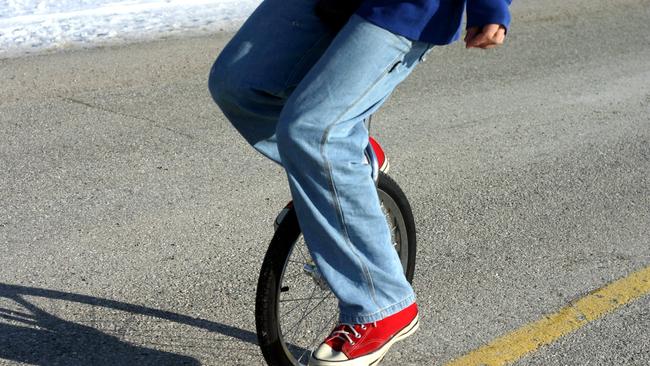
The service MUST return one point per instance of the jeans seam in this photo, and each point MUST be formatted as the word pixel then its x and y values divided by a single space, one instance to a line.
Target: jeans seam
pixel 333 191
pixel 304 56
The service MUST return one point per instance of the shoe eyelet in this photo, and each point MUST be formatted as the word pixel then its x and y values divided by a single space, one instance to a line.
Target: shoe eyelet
pixel 351 343
pixel 363 327
pixel 357 336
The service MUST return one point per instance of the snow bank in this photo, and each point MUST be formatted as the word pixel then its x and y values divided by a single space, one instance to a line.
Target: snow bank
pixel 28 26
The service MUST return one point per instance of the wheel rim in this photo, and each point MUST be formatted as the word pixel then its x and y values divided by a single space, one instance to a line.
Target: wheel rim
pixel 306 312
pixel 306 309
pixel 397 226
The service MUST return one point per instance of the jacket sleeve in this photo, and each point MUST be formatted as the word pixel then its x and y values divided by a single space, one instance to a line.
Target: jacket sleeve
pixel 482 12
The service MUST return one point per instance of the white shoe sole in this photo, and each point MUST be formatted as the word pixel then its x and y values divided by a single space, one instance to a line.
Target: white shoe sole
pixel 372 359
pixel 384 168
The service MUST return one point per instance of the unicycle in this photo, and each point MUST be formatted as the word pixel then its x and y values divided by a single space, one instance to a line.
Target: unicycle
pixel 294 307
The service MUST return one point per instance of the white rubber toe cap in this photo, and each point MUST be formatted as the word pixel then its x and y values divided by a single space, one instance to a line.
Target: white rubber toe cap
pixel 326 353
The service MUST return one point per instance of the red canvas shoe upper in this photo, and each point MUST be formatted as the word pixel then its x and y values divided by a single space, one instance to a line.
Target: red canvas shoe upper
pixel 379 152
pixel 361 339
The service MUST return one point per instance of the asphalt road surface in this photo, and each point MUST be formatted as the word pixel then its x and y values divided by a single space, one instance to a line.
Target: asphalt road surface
pixel 133 218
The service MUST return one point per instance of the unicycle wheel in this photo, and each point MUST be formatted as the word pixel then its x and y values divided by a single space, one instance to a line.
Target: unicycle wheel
pixel 294 308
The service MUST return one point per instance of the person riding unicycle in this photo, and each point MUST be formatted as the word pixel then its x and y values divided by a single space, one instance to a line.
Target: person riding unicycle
pixel 297 81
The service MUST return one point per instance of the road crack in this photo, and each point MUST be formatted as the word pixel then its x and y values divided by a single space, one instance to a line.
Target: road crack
pixel 122 114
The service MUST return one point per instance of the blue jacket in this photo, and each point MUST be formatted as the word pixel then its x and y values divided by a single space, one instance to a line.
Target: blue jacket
pixel 433 21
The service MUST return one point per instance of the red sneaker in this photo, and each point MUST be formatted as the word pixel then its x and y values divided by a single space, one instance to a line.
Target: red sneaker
pixel 365 344
pixel 382 159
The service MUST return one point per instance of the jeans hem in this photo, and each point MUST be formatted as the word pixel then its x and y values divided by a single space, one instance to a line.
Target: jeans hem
pixel 377 315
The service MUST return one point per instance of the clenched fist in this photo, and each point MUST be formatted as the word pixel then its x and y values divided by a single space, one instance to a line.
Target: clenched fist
pixel 490 36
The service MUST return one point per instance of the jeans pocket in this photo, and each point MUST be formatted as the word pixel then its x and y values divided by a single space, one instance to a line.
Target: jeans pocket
pixel 394 66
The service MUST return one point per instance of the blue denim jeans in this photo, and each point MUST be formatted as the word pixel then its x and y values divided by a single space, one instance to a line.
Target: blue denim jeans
pixel 299 93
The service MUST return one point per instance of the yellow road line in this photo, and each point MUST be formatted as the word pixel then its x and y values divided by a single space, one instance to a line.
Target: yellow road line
pixel 530 337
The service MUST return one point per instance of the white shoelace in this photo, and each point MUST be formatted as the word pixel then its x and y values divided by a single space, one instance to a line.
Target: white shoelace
pixel 345 335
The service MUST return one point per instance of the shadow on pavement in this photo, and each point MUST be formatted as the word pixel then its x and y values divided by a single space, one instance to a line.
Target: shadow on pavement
pixel 44 339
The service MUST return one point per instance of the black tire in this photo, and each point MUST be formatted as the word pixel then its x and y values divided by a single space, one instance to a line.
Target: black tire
pixel 277 350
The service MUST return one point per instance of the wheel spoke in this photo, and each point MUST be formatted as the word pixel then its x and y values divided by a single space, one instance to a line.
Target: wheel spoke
pixel 305 312
pixel 295 275
pixel 319 335
pixel 302 253
pixel 305 299
pixel 309 312
pixel 292 310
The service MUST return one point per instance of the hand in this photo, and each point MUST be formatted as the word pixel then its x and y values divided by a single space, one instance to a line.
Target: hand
pixel 490 36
